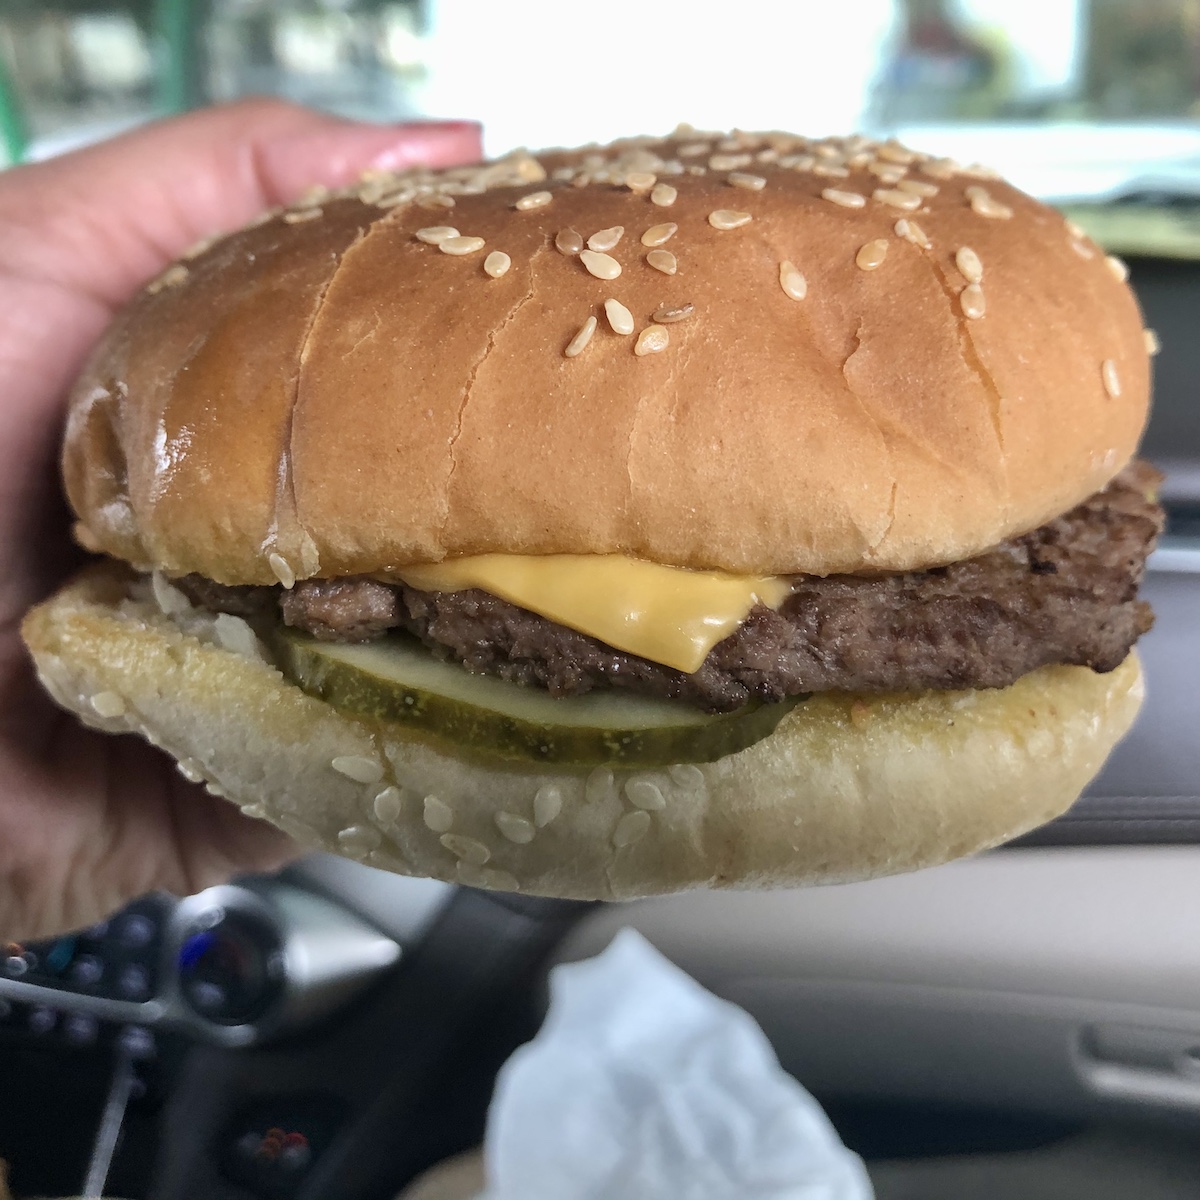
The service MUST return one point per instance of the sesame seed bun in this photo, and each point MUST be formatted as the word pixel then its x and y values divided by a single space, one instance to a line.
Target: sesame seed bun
pixel 846 787
pixel 865 361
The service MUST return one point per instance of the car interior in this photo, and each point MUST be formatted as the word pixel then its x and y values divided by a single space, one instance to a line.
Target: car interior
pixel 1021 1025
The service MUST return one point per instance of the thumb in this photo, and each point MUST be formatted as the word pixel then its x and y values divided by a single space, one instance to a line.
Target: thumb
pixel 103 220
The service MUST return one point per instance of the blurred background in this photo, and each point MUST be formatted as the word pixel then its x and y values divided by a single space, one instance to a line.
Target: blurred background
pixel 1073 99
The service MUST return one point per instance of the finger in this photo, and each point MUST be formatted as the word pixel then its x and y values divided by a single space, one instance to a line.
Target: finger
pixel 105 219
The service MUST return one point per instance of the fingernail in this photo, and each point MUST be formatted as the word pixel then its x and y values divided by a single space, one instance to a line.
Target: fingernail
pixel 430 143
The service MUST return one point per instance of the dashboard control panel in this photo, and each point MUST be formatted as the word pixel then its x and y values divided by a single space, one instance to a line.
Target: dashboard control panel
pixel 235 965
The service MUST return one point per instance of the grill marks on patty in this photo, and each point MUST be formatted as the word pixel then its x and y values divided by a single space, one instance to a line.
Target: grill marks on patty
pixel 1065 593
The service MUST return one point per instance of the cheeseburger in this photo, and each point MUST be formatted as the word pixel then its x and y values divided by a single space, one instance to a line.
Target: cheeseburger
pixel 707 511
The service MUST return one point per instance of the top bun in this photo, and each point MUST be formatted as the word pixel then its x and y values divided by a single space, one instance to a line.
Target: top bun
pixel 325 393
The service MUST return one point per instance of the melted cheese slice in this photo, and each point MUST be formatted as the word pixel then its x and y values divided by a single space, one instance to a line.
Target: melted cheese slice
pixel 669 615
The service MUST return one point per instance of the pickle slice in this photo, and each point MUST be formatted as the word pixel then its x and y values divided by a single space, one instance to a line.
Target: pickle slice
pixel 398 679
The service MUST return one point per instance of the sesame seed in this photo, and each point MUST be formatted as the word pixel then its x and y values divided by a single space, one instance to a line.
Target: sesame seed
pixel 580 340
pixel 871 255
pixel 198 248
pixel 828 171
pixel 189 768
pixel 620 319
pixel 887 172
pixel 984 206
pixel 562 174
pixel 792 282
pixel 516 829
pixel 940 168
pixel 918 187
pixel 1153 345
pixel 968 264
pixel 359 839
pixel 172 277
pixel 662 260
pixel 651 340
pixel 606 239
pixel 547 804
pixel 1118 267
pixel 669 314
pixel 729 162
pixel 1082 249
pixel 435 200
pixel 827 150
pixel 845 199
pixel 568 241
pixel 109 705
pixel 1076 231
pixel 393 199
pixel 1112 381
pixel 281 569
pixel 971 301
pixel 663 194
pixel 894 152
pixel 753 183
pixel 693 149
pixel 388 805
pixel 912 232
pixel 439 816
pixel 533 200
pixel 798 162
pixel 299 215
pixel 727 218
pixel 459 246
pixel 497 264
pixel 467 849
pixel 603 266
pixel 657 235
pixel 632 827
pixel 598 785
pixel 357 767
pixel 646 795
pixel 687 775
pixel 434 235
pixel 640 181
pixel 895 198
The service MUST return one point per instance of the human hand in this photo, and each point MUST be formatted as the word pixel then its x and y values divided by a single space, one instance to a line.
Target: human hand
pixel 88 821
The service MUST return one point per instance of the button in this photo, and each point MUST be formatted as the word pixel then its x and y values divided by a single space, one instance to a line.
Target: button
pixel 295 1157
pixel 42 1020
pixel 81 1029
pixel 15 966
pixel 99 931
pixel 135 931
pixel 59 956
pixel 206 996
pixel 134 982
pixel 87 970
pixel 136 1041
pixel 248 1144
pixel 31 960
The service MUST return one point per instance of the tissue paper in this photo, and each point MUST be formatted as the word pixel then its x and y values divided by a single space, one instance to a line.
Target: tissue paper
pixel 641 1085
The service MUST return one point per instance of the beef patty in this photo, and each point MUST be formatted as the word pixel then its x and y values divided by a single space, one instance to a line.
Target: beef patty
pixel 1065 593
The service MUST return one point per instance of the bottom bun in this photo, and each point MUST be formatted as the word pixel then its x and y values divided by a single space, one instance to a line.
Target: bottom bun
pixel 847 787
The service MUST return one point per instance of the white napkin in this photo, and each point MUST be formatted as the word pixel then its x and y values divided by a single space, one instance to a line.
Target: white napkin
pixel 643 1086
